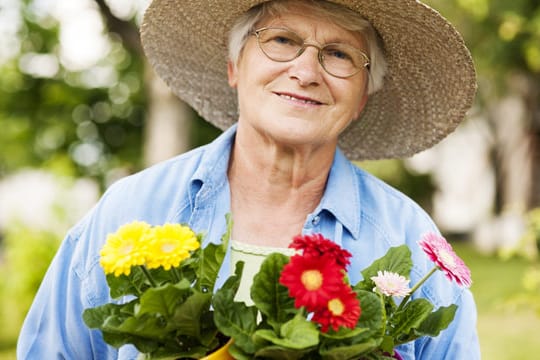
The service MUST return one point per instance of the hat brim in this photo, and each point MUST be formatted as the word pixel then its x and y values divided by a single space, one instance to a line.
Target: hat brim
pixel 429 86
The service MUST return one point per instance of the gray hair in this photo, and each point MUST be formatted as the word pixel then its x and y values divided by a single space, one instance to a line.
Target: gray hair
pixel 337 14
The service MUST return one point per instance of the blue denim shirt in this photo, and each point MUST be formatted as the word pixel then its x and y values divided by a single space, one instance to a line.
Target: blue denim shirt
pixel 358 211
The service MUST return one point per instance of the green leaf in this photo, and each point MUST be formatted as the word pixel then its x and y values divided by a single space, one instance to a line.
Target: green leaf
pixel 164 299
pixel 411 316
pixel 211 259
pixel 352 344
pixel 372 311
pixel 297 333
pixel 269 296
pixel 397 260
pixel 187 317
pixel 171 351
pixel 150 334
pixel 344 334
pixel 238 354
pixel 347 352
pixel 132 284
pixel 433 324
pixel 184 270
pixel 163 314
pixel 280 353
pixel 388 344
pixel 95 317
pixel 232 318
pixel 147 326
pixel 438 320
pixel 142 344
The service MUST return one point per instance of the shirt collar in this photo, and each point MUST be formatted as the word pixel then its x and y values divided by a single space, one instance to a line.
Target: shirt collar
pixel 341 197
pixel 212 169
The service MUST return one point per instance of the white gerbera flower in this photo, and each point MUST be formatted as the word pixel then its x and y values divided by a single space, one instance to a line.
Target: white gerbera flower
pixel 391 284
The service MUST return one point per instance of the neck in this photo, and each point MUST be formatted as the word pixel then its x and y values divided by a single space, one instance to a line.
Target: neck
pixel 273 188
pixel 263 167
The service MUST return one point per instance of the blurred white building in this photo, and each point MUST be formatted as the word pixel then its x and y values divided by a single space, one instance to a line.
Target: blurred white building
pixel 462 168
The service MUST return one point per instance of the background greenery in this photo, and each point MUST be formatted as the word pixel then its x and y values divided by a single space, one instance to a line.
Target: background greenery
pixel 64 125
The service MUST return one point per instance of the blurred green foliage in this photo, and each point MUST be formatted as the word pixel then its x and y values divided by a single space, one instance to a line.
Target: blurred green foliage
pixel 69 122
pixel 25 256
pixel 531 237
pixel 419 187
pixel 529 248
pixel 63 122
pixel 503 36
pixel 505 331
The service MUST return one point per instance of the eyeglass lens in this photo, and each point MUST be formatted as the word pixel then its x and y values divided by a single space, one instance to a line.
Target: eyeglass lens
pixel 340 60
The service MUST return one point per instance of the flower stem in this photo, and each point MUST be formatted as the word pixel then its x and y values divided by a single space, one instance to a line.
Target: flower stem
pixel 148 276
pixel 384 314
pixel 415 287
pixel 176 275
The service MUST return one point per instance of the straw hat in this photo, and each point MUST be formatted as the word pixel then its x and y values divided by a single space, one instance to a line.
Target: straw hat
pixel 429 85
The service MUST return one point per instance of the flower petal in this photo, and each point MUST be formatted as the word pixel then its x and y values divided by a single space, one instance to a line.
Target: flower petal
pixel 441 253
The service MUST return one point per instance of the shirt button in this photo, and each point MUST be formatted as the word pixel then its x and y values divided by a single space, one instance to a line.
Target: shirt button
pixel 315 220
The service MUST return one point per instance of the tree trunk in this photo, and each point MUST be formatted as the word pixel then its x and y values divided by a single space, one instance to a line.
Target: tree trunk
pixel 533 105
pixel 167 122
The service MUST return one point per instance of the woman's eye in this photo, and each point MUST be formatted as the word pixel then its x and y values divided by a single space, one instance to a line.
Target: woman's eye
pixel 284 40
pixel 337 54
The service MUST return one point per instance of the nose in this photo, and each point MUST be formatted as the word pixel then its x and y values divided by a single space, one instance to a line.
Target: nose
pixel 306 68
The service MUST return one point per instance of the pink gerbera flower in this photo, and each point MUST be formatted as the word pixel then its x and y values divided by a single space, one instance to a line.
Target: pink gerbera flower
pixel 442 254
pixel 317 245
pixel 391 284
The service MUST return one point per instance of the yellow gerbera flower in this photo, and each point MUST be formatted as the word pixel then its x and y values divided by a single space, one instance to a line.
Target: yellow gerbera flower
pixel 124 249
pixel 169 244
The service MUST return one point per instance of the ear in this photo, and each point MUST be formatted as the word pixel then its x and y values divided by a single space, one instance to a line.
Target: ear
pixel 361 106
pixel 232 74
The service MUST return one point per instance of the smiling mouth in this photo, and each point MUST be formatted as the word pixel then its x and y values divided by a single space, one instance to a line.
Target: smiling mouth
pixel 299 99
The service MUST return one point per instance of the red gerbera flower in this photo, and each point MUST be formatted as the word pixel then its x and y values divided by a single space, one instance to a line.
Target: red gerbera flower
pixel 341 310
pixel 317 245
pixel 311 281
pixel 442 254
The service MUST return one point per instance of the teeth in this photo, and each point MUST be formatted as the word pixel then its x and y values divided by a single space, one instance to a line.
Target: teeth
pixel 300 100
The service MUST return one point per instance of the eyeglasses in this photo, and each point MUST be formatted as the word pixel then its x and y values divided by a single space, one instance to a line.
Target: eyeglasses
pixel 339 60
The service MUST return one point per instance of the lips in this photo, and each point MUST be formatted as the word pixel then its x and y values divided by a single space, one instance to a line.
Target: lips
pixel 298 98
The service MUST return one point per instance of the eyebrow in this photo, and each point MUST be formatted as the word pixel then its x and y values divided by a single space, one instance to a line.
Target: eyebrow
pixel 333 41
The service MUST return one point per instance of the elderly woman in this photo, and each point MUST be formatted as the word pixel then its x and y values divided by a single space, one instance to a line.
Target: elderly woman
pixel 307 85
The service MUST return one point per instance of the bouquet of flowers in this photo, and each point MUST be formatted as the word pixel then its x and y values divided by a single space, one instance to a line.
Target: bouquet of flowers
pixel 305 308
pixel 166 280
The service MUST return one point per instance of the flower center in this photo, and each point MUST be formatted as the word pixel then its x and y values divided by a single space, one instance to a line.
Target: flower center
pixel 312 279
pixel 336 307
pixel 126 248
pixel 168 247
pixel 447 258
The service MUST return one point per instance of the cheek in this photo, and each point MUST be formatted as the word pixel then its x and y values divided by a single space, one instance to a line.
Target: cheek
pixel 350 101
pixel 355 98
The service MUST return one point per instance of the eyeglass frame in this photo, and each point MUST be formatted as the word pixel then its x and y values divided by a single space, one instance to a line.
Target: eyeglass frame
pixel 320 56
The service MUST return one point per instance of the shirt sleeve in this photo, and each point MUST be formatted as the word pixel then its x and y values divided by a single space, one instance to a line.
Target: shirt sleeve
pixel 54 328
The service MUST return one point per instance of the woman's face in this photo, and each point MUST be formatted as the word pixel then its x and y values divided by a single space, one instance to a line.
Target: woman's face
pixel 297 103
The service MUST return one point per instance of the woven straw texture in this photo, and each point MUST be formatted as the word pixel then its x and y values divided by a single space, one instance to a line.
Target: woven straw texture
pixel 429 85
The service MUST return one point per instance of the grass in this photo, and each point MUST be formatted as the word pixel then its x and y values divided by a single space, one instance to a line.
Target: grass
pixel 506 332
